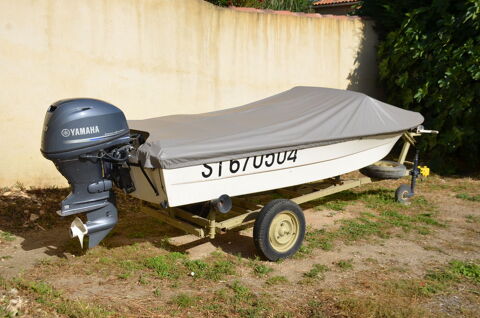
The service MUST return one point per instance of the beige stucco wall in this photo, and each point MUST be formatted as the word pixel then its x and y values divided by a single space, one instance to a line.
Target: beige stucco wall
pixel 158 57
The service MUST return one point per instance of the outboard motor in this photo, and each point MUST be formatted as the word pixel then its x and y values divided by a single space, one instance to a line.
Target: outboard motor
pixel 88 140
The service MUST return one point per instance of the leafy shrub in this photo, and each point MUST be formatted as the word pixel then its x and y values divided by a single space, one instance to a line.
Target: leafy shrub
pixel 290 5
pixel 429 61
pixel 389 15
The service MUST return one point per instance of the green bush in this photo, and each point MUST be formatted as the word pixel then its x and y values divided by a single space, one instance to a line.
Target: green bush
pixel 290 5
pixel 389 15
pixel 429 61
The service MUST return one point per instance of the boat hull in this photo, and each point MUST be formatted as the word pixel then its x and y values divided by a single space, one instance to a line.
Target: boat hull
pixel 260 173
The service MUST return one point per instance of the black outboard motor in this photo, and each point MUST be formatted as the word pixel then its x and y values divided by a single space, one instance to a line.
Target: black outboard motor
pixel 88 140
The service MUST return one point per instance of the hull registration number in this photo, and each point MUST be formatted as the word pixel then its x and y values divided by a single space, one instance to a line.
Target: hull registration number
pixel 249 163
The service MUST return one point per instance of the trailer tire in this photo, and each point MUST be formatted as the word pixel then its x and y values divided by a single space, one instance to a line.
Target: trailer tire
pixel 385 169
pixel 279 229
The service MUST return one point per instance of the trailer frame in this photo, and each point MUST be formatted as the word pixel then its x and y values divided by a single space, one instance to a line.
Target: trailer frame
pixel 244 211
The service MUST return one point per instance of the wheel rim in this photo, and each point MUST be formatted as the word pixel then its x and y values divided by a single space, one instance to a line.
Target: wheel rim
pixel 283 232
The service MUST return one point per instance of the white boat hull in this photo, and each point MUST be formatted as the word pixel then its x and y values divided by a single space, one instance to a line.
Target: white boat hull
pixel 261 173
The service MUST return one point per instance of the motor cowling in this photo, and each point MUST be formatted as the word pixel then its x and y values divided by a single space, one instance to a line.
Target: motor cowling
pixel 77 126
pixel 88 140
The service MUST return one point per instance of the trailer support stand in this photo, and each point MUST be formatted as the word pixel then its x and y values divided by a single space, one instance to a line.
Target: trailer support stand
pixel 211 221
pixel 414 173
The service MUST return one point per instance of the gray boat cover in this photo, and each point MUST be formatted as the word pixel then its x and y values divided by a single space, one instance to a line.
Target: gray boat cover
pixel 301 117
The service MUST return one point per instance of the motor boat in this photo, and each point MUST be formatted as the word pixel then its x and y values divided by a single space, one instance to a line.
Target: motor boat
pixel 299 136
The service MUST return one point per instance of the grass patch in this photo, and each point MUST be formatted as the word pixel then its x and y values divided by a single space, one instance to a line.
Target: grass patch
pixel 157 292
pixel 144 264
pixel 455 271
pixel 467 197
pixel 43 289
pixel 400 298
pixel 216 270
pixel 214 307
pixel 387 216
pixel 335 205
pixel 434 248
pixel 378 199
pixel 472 218
pixel 4 189
pixel 124 275
pixel 414 288
pixel 345 264
pixel 317 271
pixel 276 280
pixel 183 300
pixel 220 268
pixel 376 307
pixel 336 202
pixel 371 260
pixel 46 295
pixel 260 269
pixel 355 229
pixel 20 186
pixel 246 303
pixel 129 266
pixel 7 236
pixel 314 239
pixel 241 291
pixel 166 266
pixel 439 280
pixel 142 280
pixel 468 270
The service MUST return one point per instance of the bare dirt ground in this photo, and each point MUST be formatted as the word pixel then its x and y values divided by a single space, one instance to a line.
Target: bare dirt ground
pixel 364 256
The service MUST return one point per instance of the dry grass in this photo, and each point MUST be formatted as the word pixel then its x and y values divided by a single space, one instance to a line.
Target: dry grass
pixel 137 272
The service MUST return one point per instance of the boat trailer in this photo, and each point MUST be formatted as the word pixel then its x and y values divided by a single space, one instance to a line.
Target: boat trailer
pixel 243 213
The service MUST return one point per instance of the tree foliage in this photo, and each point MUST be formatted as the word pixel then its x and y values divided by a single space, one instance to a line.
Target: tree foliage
pixel 429 61
pixel 290 5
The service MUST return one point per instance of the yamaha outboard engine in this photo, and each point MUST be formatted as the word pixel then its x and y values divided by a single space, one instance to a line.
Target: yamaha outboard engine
pixel 88 140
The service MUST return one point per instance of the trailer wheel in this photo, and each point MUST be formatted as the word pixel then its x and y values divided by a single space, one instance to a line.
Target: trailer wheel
pixel 385 169
pixel 402 194
pixel 279 229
